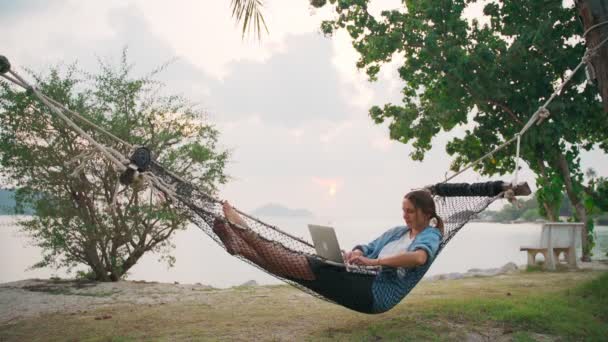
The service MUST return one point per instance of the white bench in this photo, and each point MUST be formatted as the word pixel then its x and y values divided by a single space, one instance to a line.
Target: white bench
pixel 556 238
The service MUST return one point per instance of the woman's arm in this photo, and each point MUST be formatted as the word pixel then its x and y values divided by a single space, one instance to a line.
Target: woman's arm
pixel 406 259
pixel 425 248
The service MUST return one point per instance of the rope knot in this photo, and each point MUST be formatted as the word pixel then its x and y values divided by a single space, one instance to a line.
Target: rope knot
pixel 587 57
pixel 5 66
pixel 543 114
pixel 510 196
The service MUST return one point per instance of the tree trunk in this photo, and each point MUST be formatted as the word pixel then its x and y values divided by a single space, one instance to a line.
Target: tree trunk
pixel 549 210
pixel 551 215
pixel 593 12
pixel 574 197
pixel 132 260
pixel 95 263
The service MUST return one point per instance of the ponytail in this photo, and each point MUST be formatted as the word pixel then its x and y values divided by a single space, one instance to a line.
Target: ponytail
pixel 439 222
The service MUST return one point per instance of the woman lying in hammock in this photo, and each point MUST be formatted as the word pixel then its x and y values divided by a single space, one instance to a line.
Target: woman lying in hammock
pixel 404 252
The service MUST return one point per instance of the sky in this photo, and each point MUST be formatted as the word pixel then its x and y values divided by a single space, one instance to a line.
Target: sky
pixel 292 108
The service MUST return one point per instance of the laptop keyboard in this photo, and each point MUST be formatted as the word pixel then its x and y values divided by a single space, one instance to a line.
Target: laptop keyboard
pixel 363 269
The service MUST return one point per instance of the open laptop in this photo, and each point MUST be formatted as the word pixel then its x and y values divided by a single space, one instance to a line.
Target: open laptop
pixel 326 243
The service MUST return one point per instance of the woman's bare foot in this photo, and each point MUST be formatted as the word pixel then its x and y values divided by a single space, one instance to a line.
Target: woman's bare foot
pixel 232 216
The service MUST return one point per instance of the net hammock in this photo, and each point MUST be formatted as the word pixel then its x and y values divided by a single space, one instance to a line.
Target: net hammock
pixel 456 204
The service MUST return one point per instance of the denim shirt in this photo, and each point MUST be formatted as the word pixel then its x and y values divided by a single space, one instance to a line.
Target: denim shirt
pixel 392 284
pixel 428 240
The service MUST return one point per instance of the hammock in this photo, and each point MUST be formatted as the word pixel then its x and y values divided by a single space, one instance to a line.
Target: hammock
pixel 456 203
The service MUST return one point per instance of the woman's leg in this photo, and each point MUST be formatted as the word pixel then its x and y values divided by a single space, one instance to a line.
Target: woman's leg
pixel 269 255
pixel 283 261
pixel 234 244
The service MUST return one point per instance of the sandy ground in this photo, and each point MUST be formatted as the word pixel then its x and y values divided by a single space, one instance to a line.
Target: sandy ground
pixel 33 297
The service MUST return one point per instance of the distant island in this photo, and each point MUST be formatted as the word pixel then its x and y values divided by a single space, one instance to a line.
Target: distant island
pixel 528 211
pixel 7 203
pixel 273 209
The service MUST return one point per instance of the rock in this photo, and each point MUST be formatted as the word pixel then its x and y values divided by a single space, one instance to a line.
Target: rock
pixel 250 283
pixel 509 267
pixel 475 337
pixel 430 278
pixel 451 276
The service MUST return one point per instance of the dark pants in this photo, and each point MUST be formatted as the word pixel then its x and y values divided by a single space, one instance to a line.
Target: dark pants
pixel 352 290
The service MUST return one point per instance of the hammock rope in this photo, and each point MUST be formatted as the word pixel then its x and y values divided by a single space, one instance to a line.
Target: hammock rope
pixel 594 27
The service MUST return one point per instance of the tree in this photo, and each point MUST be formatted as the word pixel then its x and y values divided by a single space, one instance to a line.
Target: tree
pixel 596 193
pixel 249 13
pixel 488 79
pixel 82 215
pixel 593 15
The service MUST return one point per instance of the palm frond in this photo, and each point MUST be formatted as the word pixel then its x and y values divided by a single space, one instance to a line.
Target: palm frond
pixel 249 12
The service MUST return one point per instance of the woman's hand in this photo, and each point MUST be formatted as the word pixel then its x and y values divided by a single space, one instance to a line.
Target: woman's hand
pixel 363 261
pixel 349 256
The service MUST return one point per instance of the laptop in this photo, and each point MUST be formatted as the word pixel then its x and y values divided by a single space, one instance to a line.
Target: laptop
pixel 326 243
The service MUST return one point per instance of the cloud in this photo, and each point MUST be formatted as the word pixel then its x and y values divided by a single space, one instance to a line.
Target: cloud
pixel 297 85
pixel 205 32
pixel 289 88
pixel 104 32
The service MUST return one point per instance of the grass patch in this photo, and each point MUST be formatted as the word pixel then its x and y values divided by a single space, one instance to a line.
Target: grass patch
pixel 523 337
pixel 65 291
pixel 395 329
pixel 95 294
pixel 578 313
pixel 521 307
pixel 534 268
pixel 244 288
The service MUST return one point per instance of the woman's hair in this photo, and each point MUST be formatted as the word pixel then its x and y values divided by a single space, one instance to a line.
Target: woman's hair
pixel 422 199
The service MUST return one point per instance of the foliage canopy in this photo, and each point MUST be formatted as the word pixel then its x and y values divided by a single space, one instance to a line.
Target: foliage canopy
pixel 485 76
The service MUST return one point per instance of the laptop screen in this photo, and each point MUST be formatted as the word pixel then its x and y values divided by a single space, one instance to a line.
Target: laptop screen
pixel 326 242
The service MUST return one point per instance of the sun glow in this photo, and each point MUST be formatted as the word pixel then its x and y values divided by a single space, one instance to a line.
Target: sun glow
pixel 331 185
pixel 332 189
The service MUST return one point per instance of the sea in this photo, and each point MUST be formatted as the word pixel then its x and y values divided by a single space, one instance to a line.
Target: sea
pixel 479 245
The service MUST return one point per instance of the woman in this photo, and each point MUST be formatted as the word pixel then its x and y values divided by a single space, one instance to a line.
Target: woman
pixel 404 252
